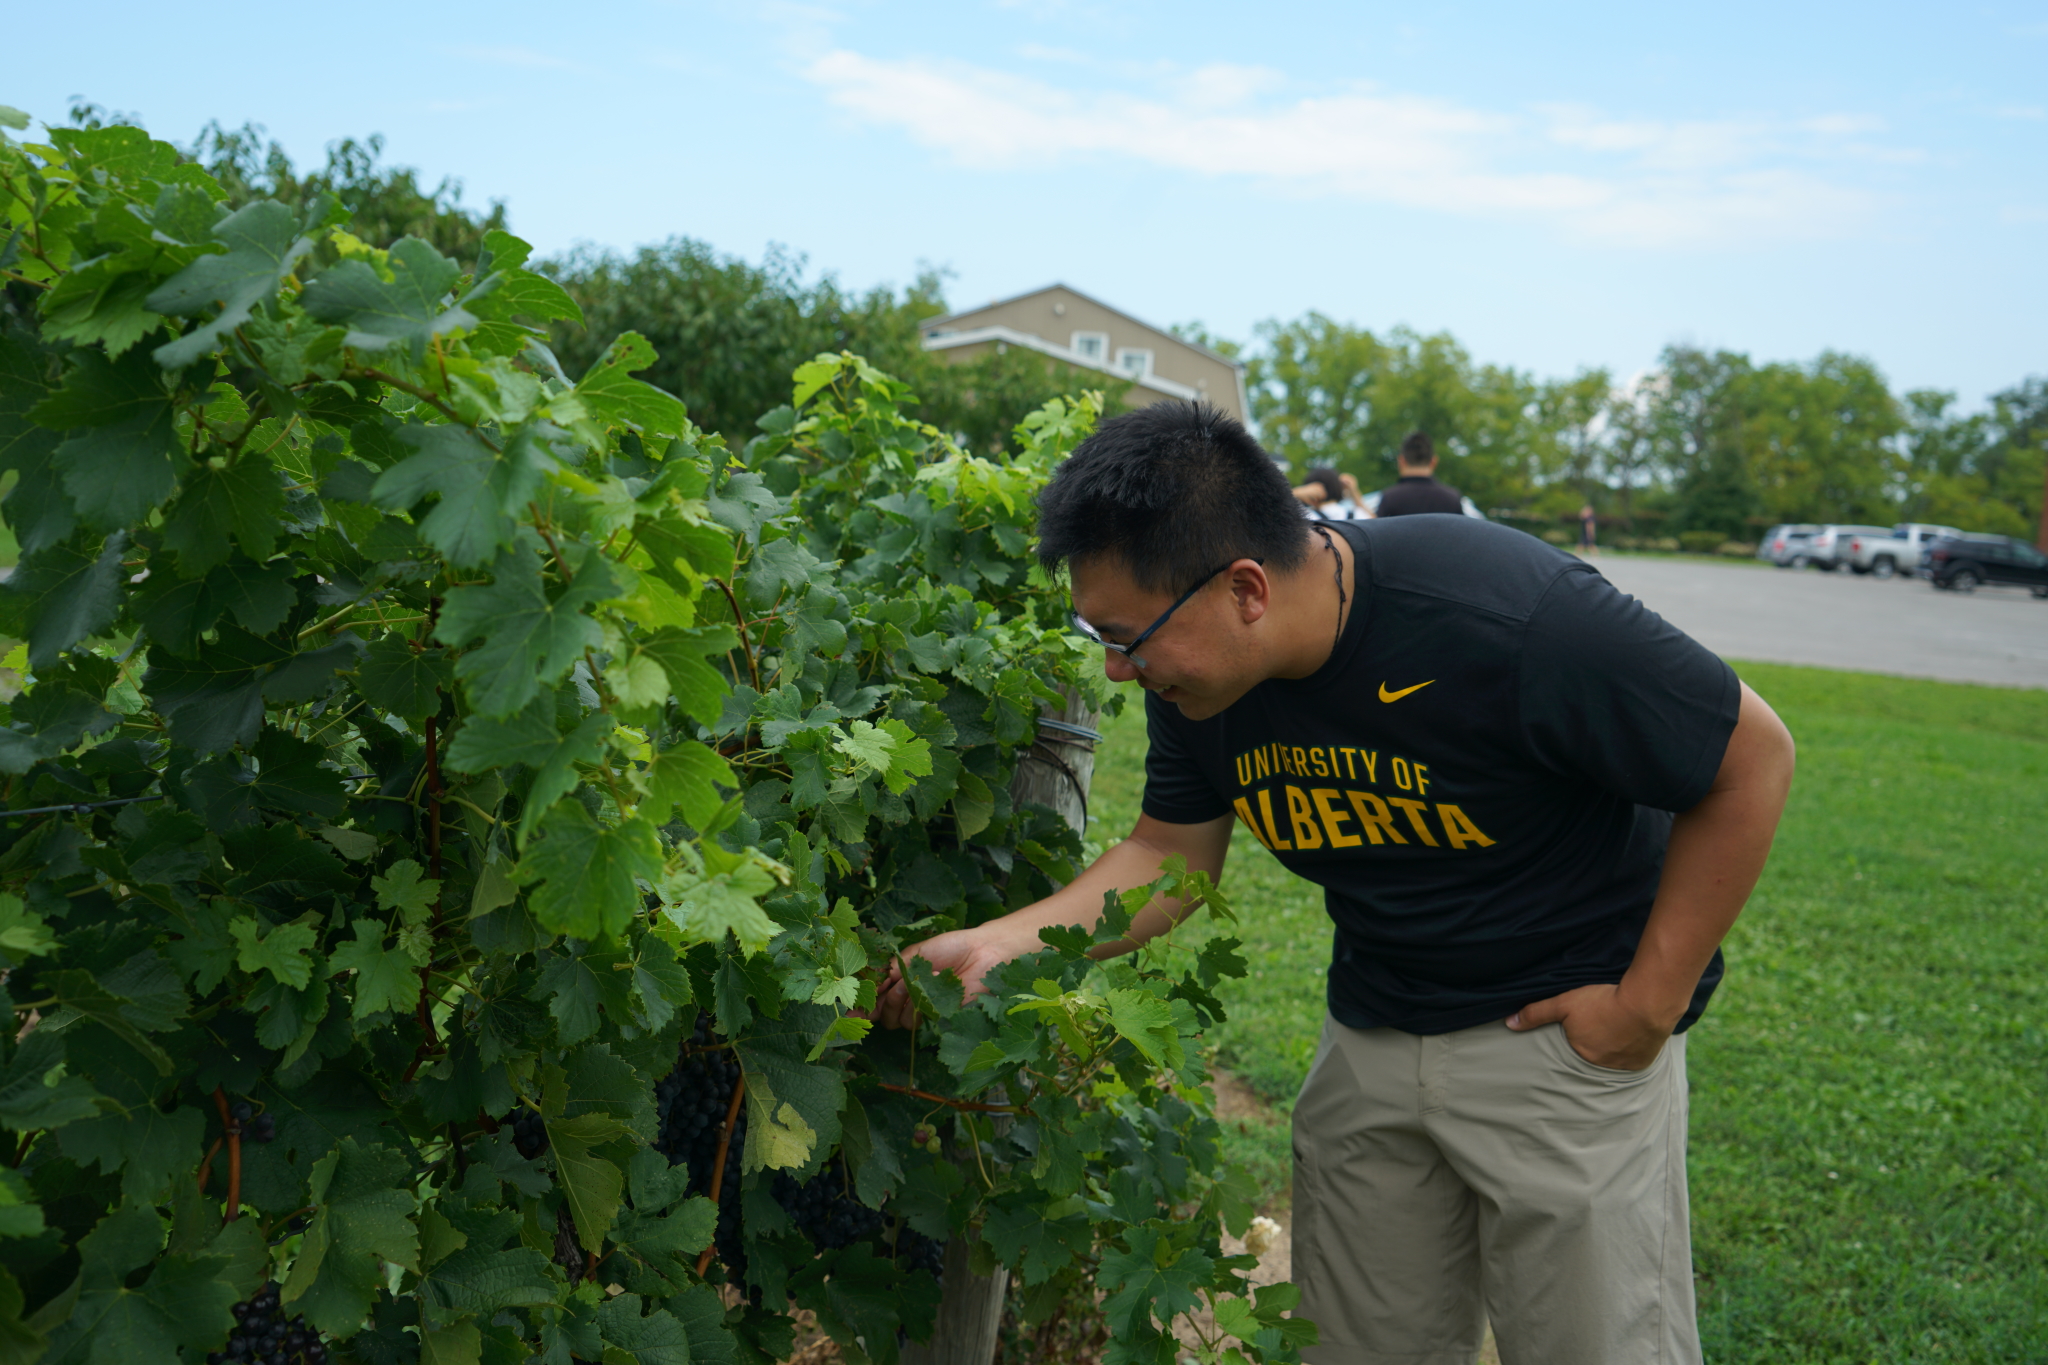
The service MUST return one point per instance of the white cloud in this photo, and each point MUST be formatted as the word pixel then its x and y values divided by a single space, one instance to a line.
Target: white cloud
pixel 1631 182
pixel 2032 113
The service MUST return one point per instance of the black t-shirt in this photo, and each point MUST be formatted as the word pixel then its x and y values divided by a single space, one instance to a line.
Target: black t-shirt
pixel 1481 777
pixel 1419 493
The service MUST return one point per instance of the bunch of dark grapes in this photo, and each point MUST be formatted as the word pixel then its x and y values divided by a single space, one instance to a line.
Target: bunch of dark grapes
pixel 915 1251
pixel 529 1132
pixel 691 1103
pixel 824 1212
pixel 264 1336
pixel 827 1214
pixel 255 1127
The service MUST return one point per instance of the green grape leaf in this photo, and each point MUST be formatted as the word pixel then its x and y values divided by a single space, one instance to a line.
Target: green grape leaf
pixel 1038 1246
pixel 287 776
pixel 724 897
pixel 655 1339
pixel 797 1097
pixel 286 952
pixel 686 778
pixel 69 593
pixel 31 1099
pixel 637 682
pixel 780 566
pixel 592 1185
pixel 214 700
pixel 485 742
pixel 889 749
pixel 556 776
pixel 707 549
pixel 119 462
pixel 458 1343
pixel 219 509
pixel 778 1137
pixel 379 314
pixel 402 889
pixel 23 933
pixel 364 1220
pixel 1142 1288
pixel 511 293
pixel 139 997
pixel 586 872
pixel 698 687
pixel 397 678
pixel 177 612
pixel 472 1275
pixel 386 978
pixel 703 1316
pixel 610 394
pixel 571 991
pixel 529 640
pixel 263 246
pixel 147 1146
pixel 480 490
pixel 1148 1022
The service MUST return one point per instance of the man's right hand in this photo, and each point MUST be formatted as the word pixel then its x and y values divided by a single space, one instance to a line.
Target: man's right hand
pixel 968 953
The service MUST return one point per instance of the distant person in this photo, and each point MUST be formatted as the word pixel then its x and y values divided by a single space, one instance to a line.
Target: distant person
pixel 1418 491
pixel 1331 496
pixel 1589 523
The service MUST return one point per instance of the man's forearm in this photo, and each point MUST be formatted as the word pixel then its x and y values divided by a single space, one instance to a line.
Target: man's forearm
pixel 1716 853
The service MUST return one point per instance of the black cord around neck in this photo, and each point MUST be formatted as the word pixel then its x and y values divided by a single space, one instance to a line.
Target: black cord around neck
pixel 1342 598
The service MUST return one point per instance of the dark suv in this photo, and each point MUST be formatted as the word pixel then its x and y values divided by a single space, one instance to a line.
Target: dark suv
pixel 1964 562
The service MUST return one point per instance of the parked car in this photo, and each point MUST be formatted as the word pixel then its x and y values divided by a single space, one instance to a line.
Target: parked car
pixel 1785 546
pixel 1885 553
pixel 1965 562
pixel 1829 547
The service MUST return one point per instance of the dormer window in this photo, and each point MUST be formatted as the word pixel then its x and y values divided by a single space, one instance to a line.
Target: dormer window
pixel 1133 361
pixel 1091 346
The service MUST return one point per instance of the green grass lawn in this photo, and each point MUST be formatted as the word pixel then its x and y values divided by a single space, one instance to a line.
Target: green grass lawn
pixel 1870 1087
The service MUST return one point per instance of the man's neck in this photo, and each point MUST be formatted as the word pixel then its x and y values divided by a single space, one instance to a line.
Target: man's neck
pixel 1313 617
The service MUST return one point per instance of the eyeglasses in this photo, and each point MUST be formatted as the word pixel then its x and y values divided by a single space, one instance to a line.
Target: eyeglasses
pixel 1129 651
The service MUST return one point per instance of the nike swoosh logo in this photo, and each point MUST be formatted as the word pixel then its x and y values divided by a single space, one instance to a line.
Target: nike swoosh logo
pixel 1396 696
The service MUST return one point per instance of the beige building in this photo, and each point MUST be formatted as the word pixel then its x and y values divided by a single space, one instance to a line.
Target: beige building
pixel 1069 327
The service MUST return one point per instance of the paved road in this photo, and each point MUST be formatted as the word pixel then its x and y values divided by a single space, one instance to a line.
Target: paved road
pixel 1838 620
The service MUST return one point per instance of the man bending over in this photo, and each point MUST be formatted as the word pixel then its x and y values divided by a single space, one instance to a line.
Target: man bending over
pixel 1535 808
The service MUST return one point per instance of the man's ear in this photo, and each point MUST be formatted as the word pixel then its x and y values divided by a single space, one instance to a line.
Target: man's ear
pixel 1251 591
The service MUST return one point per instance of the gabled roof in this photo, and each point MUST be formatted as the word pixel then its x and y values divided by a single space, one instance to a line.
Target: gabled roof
pixel 1078 293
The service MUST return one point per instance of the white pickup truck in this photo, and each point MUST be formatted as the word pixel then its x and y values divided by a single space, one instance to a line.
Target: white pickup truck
pixel 1885 555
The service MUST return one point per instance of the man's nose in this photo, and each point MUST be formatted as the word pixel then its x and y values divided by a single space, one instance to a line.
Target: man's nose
pixel 1118 666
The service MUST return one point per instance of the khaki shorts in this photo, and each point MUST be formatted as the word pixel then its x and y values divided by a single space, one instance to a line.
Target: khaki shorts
pixel 1443 1181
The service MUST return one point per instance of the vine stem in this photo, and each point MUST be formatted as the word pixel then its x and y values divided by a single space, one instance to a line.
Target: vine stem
pixel 732 1117
pixel 234 1137
pixel 740 620
pixel 432 399
pixel 971 1106
pixel 436 789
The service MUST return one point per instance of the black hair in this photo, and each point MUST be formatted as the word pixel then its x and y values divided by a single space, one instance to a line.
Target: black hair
pixel 1332 482
pixel 1417 449
pixel 1174 490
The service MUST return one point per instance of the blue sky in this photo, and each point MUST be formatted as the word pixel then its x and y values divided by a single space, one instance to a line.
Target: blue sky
pixel 1557 189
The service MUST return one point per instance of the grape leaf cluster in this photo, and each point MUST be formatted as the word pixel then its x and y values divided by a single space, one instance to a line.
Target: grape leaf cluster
pixel 484 776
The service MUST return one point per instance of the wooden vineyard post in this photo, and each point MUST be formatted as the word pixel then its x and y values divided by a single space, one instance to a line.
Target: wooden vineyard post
pixel 1055 772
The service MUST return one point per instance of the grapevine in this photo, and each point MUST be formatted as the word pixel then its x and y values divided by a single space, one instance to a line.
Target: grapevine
pixel 455 814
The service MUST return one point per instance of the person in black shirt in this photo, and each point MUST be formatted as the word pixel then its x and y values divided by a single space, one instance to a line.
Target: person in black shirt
pixel 1530 801
pixel 1418 491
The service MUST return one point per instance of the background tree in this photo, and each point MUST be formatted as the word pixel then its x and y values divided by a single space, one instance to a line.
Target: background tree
pixel 1573 429
pixel 384 202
